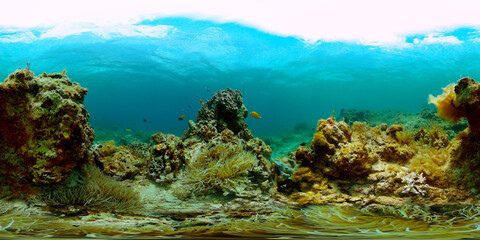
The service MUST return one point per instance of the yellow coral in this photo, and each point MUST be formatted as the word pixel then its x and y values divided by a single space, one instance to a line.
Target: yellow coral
pixel 445 107
pixel 433 163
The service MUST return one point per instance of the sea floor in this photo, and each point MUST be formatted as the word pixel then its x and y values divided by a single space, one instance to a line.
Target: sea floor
pixel 164 216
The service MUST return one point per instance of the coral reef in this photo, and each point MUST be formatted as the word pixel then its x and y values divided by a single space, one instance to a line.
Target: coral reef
pixel 411 121
pixel 465 161
pixel 44 131
pixel 168 158
pixel 364 164
pixel 123 162
pixel 219 179
pixel 460 100
pixel 226 163
pixel 225 109
pixel 216 154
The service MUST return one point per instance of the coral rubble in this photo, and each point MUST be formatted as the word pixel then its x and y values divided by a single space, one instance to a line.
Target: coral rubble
pixel 44 131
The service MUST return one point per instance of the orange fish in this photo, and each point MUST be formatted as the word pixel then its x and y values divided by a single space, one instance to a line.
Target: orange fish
pixel 200 101
pixel 255 115
pixel 181 117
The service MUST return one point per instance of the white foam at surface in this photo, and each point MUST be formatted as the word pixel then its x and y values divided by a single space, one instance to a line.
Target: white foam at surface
pixel 368 21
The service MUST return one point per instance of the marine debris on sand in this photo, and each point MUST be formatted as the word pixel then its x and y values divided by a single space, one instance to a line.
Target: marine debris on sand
pixel 218 179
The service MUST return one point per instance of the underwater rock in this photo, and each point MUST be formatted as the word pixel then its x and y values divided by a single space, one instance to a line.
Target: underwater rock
pixel 465 161
pixel 396 166
pixel 217 154
pixel 328 136
pixel 226 109
pixel 44 131
pixel 123 162
pixel 460 100
pixel 354 115
pixel 168 158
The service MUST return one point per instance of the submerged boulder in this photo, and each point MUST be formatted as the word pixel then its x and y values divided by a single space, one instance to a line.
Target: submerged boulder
pixel 44 131
pixel 226 110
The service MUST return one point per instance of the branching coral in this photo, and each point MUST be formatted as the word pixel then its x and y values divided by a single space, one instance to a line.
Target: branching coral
pixel 415 184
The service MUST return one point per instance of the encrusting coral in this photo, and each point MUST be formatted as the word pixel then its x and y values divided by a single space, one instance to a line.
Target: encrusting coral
pixel 168 158
pixel 123 162
pixel 44 131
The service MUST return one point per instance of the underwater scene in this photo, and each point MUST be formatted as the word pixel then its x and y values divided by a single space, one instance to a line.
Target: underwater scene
pixel 196 127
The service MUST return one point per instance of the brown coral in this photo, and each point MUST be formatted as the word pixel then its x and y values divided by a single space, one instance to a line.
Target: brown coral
pixel 44 130
pixel 168 158
pixel 123 162
pixel 328 136
pixel 226 109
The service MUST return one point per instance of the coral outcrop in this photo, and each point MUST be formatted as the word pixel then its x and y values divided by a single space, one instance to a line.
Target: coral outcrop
pixel 460 100
pixel 217 153
pixel 225 163
pixel 168 158
pixel 225 110
pixel 365 165
pixel 44 131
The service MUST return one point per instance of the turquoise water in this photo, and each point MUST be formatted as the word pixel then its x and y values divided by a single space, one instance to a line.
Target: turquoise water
pixel 160 69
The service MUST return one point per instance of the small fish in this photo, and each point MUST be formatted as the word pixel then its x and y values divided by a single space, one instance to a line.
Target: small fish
pixel 255 115
pixel 207 89
pixel 303 144
pixel 197 96
pixel 200 101
pixel 181 117
pixel 144 120
pixel 128 129
pixel 189 105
